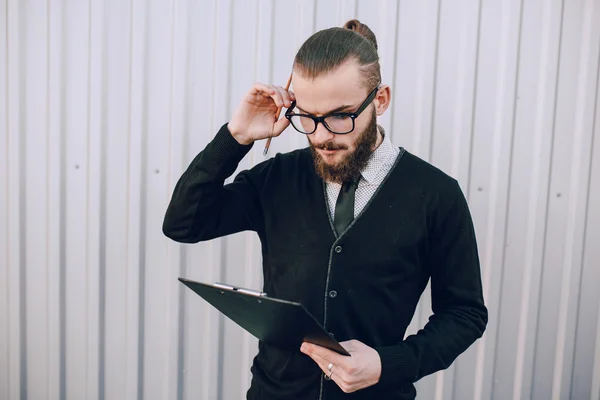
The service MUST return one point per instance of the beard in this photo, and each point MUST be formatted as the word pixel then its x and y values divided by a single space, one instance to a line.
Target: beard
pixel 349 167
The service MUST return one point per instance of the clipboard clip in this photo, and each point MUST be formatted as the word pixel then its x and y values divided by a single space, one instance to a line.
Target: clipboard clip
pixel 240 290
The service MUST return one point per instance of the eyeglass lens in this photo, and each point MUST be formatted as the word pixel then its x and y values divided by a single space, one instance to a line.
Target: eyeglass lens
pixel 335 123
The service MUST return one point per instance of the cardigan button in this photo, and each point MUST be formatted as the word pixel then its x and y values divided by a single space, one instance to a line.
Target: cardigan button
pixel 333 294
pixel 338 249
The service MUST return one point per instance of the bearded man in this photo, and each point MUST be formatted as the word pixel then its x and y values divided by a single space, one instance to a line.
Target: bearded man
pixel 352 227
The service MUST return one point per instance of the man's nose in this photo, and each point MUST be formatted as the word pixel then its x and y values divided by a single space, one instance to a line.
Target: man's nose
pixel 322 134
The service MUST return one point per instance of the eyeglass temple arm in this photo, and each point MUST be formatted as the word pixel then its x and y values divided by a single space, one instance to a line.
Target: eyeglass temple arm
pixel 368 100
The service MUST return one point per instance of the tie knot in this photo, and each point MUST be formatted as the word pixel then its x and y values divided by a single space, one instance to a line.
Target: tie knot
pixel 353 181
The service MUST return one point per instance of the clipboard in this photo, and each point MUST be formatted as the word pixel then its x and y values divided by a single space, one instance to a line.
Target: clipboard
pixel 282 323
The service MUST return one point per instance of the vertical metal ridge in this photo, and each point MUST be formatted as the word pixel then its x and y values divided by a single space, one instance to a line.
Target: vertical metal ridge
pixel 229 57
pixel 6 168
pixel 586 218
pixel 435 78
pixel 530 226
pixel 128 166
pixel 596 368
pixel 172 84
pixel 272 41
pixel 257 44
pixel 183 254
pixel 142 264
pixel 52 324
pixel 395 66
pixel 178 290
pixel 548 190
pixel 213 65
pixel 509 185
pixel 47 192
pixel 143 212
pixel 133 194
pixel 132 329
pixel 128 173
pixel 474 101
pixel 480 357
pixel 103 213
pixel 93 197
pixel 62 252
pixel 22 174
pixel 458 127
pixel 314 16
pixel 87 189
pixel 575 169
pixel 492 221
pixel 6 164
pixel 596 110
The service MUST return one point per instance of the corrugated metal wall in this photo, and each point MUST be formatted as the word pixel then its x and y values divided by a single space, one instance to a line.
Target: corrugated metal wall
pixel 104 102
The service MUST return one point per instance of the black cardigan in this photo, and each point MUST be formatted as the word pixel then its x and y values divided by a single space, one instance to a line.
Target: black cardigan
pixel 362 285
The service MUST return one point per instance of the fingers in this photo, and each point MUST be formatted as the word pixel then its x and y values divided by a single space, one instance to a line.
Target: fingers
pixel 323 363
pixel 325 353
pixel 285 97
pixel 262 89
pixel 281 97
pixel 337 374
pixel 323 357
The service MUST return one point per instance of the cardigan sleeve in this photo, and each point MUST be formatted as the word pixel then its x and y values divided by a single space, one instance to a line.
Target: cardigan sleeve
pixel 202 207
pixel 459 315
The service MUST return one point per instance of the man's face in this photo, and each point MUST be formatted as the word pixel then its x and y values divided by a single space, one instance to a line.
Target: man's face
pixel 338 157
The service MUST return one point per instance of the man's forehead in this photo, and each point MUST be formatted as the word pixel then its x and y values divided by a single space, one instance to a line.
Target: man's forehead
pixel 325 93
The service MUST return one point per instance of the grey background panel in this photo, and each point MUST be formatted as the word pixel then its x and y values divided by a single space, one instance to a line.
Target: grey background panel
pixel 103 104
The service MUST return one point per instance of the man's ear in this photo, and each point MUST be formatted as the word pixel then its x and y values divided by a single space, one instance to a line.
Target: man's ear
pixel 382 99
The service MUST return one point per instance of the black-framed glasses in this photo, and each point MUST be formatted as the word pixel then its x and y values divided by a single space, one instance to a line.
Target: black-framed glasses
pixel 339 123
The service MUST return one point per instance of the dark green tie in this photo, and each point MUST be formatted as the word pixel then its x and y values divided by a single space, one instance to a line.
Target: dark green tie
pixel 344 206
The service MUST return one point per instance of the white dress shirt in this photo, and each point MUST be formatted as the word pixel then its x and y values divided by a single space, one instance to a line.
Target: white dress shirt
pixel 379 165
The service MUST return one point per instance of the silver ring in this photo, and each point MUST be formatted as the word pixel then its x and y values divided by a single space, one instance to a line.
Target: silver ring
pixel 330 367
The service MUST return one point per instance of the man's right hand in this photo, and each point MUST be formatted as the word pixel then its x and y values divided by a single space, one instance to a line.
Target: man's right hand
pixel 255 118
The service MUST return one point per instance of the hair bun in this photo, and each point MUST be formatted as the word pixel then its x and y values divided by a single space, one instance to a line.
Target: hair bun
pixel 362 29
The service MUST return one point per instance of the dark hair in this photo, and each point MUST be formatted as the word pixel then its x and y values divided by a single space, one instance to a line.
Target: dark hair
pixel 326 50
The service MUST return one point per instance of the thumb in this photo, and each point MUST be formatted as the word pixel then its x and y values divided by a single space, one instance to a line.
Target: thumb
pixel 280 126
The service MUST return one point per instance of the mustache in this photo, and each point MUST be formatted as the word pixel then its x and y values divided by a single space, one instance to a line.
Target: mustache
pixel 329 146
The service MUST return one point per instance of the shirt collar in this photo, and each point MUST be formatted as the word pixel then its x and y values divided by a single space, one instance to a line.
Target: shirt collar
pixel 380 161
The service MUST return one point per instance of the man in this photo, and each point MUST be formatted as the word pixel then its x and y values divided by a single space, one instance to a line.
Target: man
pixel 351 227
